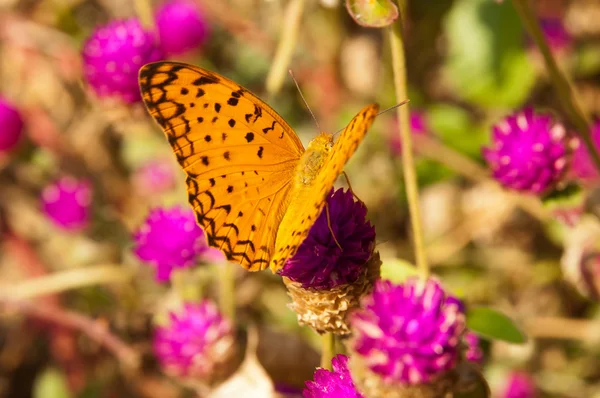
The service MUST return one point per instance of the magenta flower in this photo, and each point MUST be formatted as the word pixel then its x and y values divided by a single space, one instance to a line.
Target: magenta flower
pixel 408 333
pixel 12 125
pixel 582 165
pixel 319 262
pixel 154 177
pixel 474 352
pixel 182 27
pixel 556 34
pixel 332 384
pixel 418 126
pixel 519 385
pixel 528 152
pixel 194 341
pixel 67 202
pixel 170 239
pixel 113 55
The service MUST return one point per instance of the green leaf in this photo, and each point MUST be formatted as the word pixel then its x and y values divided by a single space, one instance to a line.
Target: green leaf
pixel 494 325
pixel 51 384
pixel 372 13
pixel 487 61
pixel 397 270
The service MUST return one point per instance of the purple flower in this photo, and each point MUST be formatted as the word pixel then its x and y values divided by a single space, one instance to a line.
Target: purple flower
pixel 474 352
pixel 418 126
pixel 332 384
pixel 67 203
pixel 519 385
pixel 12 125
pixel 408 333
pixel 582 165
pixel 113 55
pixel 319 262
pixel 194 340
pixel 169 239
pixel 182 27
pixel 555 33
pixel 154 177
pixel 528 153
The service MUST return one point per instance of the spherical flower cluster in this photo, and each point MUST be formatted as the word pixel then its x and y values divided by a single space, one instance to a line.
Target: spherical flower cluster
pixel 320 263
pixel 519 385
pixel 528 153
pixel 182 27
pixel 195 341
pixel 67 202
pixel 474 352
pixel 170 239
pixel 418 127
pixel 12 125
pixel 582 165
pixel 332 384
pixel 154 177
pixel 113 55
pixel 408 333
pixel 555 33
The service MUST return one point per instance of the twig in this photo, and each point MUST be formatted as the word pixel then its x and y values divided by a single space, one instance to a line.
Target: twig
pixel 563 328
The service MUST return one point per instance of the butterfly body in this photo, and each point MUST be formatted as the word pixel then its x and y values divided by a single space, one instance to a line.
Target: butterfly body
pixel 255 190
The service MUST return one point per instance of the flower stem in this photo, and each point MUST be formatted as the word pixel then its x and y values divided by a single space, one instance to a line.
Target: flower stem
pixel 227 290
pixel 286 46
pixel 566 92
pixel 328 350
pixel 408 163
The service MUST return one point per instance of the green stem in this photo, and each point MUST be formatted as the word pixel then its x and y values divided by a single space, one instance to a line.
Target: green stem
pixel 328 350
pixel 286 46
pixel 226 275
pixel 408 163
pixel 566 92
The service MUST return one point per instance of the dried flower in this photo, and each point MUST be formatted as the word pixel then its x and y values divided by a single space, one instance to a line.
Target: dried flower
pixel 519 385
pixel 319 263
pixel 332 384
pixel 196 341
pixel 170 239
pixel 154 177
pixel 528 153
pixel 582 165
pixel 182 27
pixel 418 126
pixel 67 203
pixel 113 55
pixel 474 352
pixel 12 125
pixel 409 333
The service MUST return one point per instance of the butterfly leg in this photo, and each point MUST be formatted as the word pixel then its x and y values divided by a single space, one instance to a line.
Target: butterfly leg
pixel 329 225
pixel 350 187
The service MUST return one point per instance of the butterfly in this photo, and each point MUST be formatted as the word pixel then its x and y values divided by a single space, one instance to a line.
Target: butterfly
pixel 254 188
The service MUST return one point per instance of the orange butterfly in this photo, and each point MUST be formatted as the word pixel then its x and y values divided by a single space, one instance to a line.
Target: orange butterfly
pixel 255 190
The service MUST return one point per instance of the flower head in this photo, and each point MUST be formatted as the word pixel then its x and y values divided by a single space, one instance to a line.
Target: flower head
pixel 182 27
pixel 154 177
pixel 474 352
pixel 528 153
pixel 582 165
pixel 195 341
pixel 170 239
pixel 319 263
pixel 556 34
pixel 408 333
pixel 519 385
pixel 12 125
pixel 113 55
pixel 67 203
pixel 332 384
pixel 418 126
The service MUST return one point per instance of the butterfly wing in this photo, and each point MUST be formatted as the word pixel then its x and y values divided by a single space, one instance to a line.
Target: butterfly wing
pixel 238 153
pixel 306 205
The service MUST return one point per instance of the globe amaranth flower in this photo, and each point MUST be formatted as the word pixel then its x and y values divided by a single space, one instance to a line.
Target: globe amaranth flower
pixel 195 342
pixel 319 262
pixel 170 239
pixel 473 352
pixel 334 383
pixel 582 166
pixel 528 153
pixel 418 127
pixel 12 125
pixel 182 26
pixel 408 333
pixel 154 177
pixel 555 33
pixel 519 385
pixel 113 55
pixel 67 202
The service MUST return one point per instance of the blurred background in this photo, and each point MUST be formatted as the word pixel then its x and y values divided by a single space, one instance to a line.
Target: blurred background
pixel 82 165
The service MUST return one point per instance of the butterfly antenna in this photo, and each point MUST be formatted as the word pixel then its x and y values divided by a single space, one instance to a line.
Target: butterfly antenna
pixel 383 111
pixel 303 99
